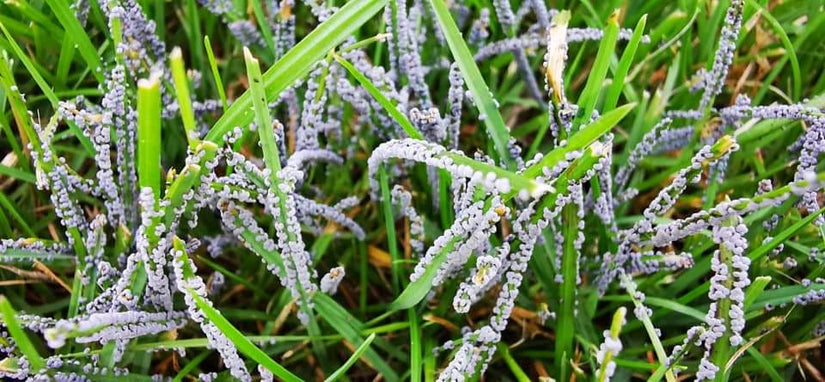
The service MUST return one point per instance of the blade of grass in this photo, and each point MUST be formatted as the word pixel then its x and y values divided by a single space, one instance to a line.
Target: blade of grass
pixel 389 222
pixel 216 75
pixel 783 236
pixel 194 34
pixel 755 290
pixel 595 80
pixel 630 287
pixel 46 89
pixel 184 101
pixel 298 61
pixel 615 328
pixel 415 346
pixel 565 322
pixel 263 23
pixel 348 326
pixel 67 18
pixel 517 371
pixel 191 365
pixel 149 141
pixel 663 303
pixel 21 222
pixel 483 98
pixel 36 362
pixel 17 173
pixel 763 362
pixel 418 289
pixel 273 163
pixel 615 89
pixel 243 344
pixel 388 106
pixel 790 51
pixel 339 373
pixel 580 140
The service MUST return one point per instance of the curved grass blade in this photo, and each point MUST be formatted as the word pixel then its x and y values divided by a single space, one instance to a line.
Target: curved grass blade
pixel 783 236
pixel 396 115
pixel 243 344
pixel 763 362
pixel 755 290
pixel 581 139
pixel 418 289
pixel 351 361
pixel 790 52
pixel 298 61
pixel 347 325
pixel 487 106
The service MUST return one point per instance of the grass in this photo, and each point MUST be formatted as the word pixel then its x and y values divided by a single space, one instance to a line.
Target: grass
pixel 148 135
pixel 334 77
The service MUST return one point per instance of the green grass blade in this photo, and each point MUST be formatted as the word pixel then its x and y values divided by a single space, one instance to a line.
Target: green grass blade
pixel 263 24
pixel 349 327
pixel 517 371
pixel 273 163
pixel 649 328
pixel 487 106
pixel 73 28
pixel 22 340
pixel 615 89
pixel 9 206
pixel 193 19
pixel 182 92
pixel 36 76
pixel 418 289
pixel 262 117
pixel 615 329
pixel 790 51
pixel 565 326
pixel 415 346
pixel 149 142
pixel 783 236
pixel 242 343
pixel 16 173
pixel 190 366
pixel 581 139
pixel 298 61
pixel 339 373
pixel 216 75
pixel 595 80
pixel 755 290
pixel 389 222
pixel 46 89
pixel 760 359
pixel 388 106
